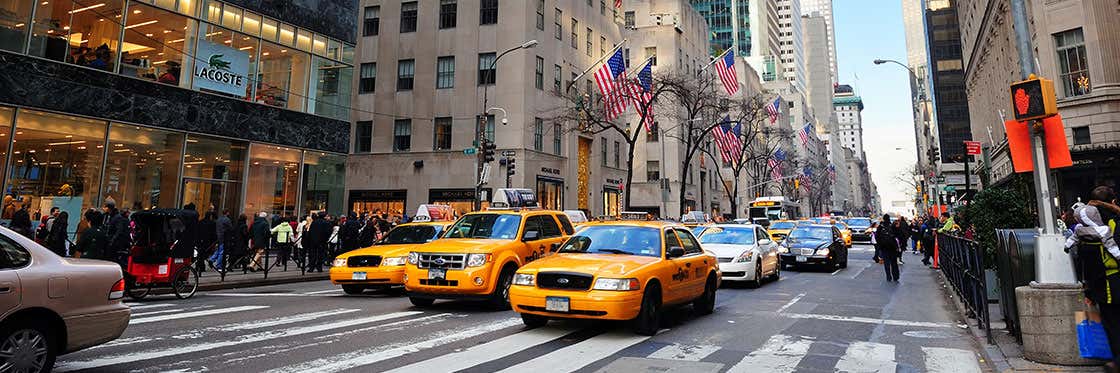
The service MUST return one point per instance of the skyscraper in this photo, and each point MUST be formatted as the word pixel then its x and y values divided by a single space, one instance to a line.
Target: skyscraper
pixel 824 8
pixel 947 79
pixel 791 42
pixel 729 22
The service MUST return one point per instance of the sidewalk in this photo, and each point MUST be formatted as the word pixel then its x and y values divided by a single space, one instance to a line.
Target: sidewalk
pixel 210 280
pixel 1006 355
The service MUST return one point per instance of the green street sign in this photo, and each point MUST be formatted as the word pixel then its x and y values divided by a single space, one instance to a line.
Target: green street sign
pixel 470 151
pixel 950 188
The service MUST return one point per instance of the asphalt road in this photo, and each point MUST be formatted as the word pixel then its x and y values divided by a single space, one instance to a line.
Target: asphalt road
pixel 814 321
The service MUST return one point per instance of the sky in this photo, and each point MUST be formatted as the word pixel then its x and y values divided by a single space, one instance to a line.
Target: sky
pixel 866 30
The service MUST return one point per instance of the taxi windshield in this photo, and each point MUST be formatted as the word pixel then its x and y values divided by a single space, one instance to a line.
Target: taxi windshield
pixel 812 233
pixel 410 234
pixel 782 225
pixel 493 226
pixel 728 236
pixel 614 239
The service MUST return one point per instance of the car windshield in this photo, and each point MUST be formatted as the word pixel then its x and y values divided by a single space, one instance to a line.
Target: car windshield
pixel 839 226
pixel 697 231
pixel 782 225
pixel 410 234
pixel 811 233
pixel 858 222
pixel 615 239
pixel 728 236
pixel 493 226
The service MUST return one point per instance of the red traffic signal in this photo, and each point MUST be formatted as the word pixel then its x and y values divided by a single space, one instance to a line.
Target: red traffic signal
pixel 1033 98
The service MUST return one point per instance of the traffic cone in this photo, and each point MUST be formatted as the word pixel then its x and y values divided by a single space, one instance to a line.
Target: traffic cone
pixel 936 253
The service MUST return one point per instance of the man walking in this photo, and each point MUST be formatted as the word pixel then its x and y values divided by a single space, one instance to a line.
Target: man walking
pixel 888 248
pixel 260 234
pixel 319 234
pixel 1100 267
pixel 119 238
pixel 223 230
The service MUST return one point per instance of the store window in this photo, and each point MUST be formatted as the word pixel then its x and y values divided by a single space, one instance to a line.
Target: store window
pixel 56 162
pixel 273 181
pixel 76 32
pixel 10 202
pixel 281 78
pixel 330 82
pixel 142 170
pixel 550 193
pixel 155 41
pixel 612 199
pixel 324 183
pixel 442 134
pixel 216 159
pixel 237 50
pixel 14 23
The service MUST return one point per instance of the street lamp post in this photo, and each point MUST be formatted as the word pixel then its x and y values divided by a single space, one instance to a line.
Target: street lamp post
pixel 481 123
pixel 917 101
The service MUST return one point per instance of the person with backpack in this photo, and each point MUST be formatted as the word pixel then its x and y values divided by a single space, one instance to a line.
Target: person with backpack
pixel 58 237
pixel 888 248
pixel 1098 258
pixel 45 224
pixel 94 243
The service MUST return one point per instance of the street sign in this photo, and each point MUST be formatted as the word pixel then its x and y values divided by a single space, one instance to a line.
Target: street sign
pixel 508 153
pixel 972 147
pixel 950 188
pixel 470 151
pixel 941 179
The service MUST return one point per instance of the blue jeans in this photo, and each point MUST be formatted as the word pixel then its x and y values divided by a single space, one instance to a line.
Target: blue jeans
pixel 914 242
pixel 217 257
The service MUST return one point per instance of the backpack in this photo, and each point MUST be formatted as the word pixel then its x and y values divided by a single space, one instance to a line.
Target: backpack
pixel 95 243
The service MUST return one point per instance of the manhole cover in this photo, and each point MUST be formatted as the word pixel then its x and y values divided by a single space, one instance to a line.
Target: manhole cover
pixel 929 334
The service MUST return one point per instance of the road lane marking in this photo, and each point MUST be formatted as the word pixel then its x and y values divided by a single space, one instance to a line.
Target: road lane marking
pixel 780 354
pixel 950 360
pixel 867 357
pixel 579 355
pixel 684 352
pixel 260 295
pixel 420 321
pixel 322 291
pixel 141 306
pixel 374 355
pixel 791 302
pixel 868 320
pixel 837 271
pixel 186 315
pixel 110 360
pixel 258 324
pixel 173 310
pixel 486 352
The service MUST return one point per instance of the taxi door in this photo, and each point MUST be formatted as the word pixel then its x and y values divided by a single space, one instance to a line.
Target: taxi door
pixel 679 281
pixel 695 262
pixel 541 231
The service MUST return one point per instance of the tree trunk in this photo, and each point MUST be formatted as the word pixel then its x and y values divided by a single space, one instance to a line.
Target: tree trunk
pixel 629 176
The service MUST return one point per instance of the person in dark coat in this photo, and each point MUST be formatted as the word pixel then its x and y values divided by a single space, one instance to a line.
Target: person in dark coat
pixel 239 248
pixel 350 234
pixel 94 242
pixel 120 239
pixel 260 234
pixel 223 237
pixel 319 234
pixel 57 237
pixel 21 222
pixel 1100 269
pixel 929 231
pixel 205 238
pixel 902 233
pixel 888 248
pixel 368 234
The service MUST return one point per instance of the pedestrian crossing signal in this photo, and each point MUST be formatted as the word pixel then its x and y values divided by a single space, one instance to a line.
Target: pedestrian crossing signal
pixel 1033 98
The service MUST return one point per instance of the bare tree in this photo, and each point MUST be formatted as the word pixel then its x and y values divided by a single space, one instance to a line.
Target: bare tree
pixel 696 102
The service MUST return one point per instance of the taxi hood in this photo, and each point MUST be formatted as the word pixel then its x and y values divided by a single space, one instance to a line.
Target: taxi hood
pixel 383 250
pixel 462 245
pixel 600 265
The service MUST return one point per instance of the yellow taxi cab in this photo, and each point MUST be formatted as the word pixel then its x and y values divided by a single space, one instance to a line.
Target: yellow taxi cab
pixel 382 265
pixel 779 229
pixel 478 255
pixel 844 232
pixel 625 270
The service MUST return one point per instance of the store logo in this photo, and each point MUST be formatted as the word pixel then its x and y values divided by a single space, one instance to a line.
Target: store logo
pixel 223 69
pixel 219 72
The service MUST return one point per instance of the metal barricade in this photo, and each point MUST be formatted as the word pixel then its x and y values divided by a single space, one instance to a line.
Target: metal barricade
pixel 1015 267
pixel 962 262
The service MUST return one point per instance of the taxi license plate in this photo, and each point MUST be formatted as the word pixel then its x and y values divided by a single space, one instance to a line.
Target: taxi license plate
pixel 802 258
pixel 358 276
pixel 437 274
pixel 557 304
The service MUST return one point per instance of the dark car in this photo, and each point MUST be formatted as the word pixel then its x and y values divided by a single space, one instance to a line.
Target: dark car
pixel 860 228
pixel 814 244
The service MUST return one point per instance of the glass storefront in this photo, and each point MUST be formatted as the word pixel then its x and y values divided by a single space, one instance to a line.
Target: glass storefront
pixel 390 202
pixel 324 179
pixel 56 161
pixel 142 170
pixel 273 183
pixel 550 193
pixel 612 201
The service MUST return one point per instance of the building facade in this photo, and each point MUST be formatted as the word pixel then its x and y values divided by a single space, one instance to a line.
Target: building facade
pixel 729 22
pixel 824 9
pixel 849 114
pixel 791 43
pixel 950 101
pixel 917 60
pixel 231 105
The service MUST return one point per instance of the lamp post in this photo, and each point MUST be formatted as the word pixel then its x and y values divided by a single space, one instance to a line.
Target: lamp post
pixel 919 107
pixel 480 124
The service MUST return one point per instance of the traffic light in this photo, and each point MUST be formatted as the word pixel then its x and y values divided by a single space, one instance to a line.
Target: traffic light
pixel 511 164
pixel 488 151
pixel 1033 98
pixel 796 183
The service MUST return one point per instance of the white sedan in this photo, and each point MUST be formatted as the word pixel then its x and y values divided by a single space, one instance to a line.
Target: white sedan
pixel 745 252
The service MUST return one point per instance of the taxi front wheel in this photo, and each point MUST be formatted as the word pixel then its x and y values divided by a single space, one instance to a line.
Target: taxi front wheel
pixel 499 300
pixel 706 303
pixel 649 316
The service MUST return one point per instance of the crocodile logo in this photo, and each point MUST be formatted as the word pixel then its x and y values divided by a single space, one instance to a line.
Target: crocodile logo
pixel 217 62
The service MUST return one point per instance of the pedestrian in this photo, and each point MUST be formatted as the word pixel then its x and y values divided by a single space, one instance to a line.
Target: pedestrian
pixel 903 233
pixel 57 238
pixel 888 248
pixel 874 242
pixel 916 233
pixel 283 232
pixel 223 229
pixel 929 237
pixel 316 241
pixel 1096 240
pixel 95 240
pixel 206 239
pixel 120 241
pixel 334 239
pixel 21 221
pixel 239 248
pixel 350 233
pixel 260 234
pixel 947 224
pixel 45 223
pixel 369 233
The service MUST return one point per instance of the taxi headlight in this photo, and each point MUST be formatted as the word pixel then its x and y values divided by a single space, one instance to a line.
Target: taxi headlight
pixel 394 261
pixel 339 262
pixel 476 260
pixel 616 284
pixel 783 249
pixel 524 279
pixel 745 257
pixel 413 258
pixel 823 251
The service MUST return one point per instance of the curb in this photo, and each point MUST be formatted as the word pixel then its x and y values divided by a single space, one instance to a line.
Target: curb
pixel 225 285
pixel 994 357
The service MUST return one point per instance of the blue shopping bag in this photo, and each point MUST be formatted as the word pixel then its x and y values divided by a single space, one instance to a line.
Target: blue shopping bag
pixel 1092 341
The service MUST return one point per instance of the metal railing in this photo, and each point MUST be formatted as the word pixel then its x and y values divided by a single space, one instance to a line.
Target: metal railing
pixel 962 262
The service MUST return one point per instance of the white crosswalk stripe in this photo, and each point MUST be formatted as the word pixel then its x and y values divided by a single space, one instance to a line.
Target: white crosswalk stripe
pixel 141 306
pixel 781 353
pixel 579 355
pixel 176 316
pixel 684 352
pixel 949 360
pixel 486 352
pixel 867 357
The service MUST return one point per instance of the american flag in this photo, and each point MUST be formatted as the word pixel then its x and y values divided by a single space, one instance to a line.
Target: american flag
pixel 805 133
pixel 806 177
pixel 727 139
pixel 775 163
pixel 773 109
pixel 725 67
pixel 831 171
pixel 642 91
pixel 617 3
pixel 612 85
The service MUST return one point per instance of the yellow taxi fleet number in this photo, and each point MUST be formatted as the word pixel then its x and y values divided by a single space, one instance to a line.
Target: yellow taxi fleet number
pixel 682 274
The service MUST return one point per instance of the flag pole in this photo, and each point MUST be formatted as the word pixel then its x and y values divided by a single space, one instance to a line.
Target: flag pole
pixel 650 58
pixel 713 61
pixel 594 65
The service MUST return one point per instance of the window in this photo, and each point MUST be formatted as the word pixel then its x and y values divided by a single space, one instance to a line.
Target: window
pixel 408 17
pixel 603 150
pixel 588 42
pixel 367 78
pixel 691 247
pixel 406 70
pixel 538 134
pixel 442 140
pixel 602 46
pixel 488 12
pixel 273 179
pixel 150 158
pixel 1081 136
pixel 52 150
pixel 486 68
pixel 539 73
pixel 402 135
pixel 372 22
pixel 445 72
pixel 448 10
pixel 629 18
pixel 557 72
pixel 652 134
pixel 651 54
pixel 60 32
pixel 1072 64
pixel 556 22
pixel 540 15
pixel 617 153
pixel 281 78
pixel 653 171
pixel 548 226
pixel 147 37
pixel 575 33
pixel 603 7
pixel 671 239
pixel 626 57
pixel 557 134
pixel 363 137
pixel 13 255
pixel 488 132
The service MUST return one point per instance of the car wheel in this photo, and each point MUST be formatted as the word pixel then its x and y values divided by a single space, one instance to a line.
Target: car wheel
pixel 533 321
pixel 26 347
pixel 353 289
pixel 706 303
pixel 757 282
pixel 844 263
pixel 649 316
pixel 777 272
pixel 185 283
pixel 421 302
pixel 499 300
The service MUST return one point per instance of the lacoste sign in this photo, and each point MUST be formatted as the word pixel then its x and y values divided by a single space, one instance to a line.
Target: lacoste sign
pixel 222 69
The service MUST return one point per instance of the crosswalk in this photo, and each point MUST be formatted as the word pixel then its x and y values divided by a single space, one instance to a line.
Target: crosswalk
pixel 451 342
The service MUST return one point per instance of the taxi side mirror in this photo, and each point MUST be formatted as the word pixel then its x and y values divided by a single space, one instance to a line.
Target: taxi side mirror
pixel 676 252
pixel 531 236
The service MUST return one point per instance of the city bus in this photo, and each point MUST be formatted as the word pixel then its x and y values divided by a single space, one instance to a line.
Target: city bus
pixel 774 208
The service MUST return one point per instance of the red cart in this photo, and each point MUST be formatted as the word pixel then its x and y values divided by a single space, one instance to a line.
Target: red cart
pixel 161 253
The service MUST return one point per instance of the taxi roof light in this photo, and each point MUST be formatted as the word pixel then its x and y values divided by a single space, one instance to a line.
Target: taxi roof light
pixel 513 198
pixel 430 212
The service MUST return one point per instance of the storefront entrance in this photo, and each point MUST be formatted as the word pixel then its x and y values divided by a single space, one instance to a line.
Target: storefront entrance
pixel 378 201
pixel 217 194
